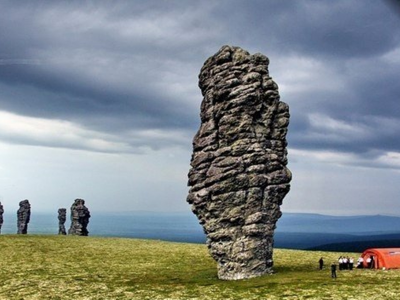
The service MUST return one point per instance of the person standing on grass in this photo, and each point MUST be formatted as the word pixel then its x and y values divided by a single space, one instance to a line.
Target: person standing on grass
pixel 345 263
pixel 360 263
pixel 333 270
pixel 369 262
pixel 340 260
pixel 372 263
pixel 321 263
pixel 351 263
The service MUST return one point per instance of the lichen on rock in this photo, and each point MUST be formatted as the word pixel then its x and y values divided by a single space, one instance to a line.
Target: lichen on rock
pixel 238 176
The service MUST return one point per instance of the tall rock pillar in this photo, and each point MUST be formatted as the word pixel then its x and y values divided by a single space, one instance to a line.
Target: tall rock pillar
pixel 62 217
pixel 23 216
pixel 79 218
pixel 238 176
pixel 1 216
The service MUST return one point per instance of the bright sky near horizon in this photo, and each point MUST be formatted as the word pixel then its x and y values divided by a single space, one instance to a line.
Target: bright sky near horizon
pixel 99 99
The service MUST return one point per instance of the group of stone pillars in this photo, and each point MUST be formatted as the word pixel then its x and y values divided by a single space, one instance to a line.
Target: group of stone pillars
pixel 79 218
pixel 239 175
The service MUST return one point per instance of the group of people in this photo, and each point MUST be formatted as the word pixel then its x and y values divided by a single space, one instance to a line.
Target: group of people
pixel 347 263
pixel 370 262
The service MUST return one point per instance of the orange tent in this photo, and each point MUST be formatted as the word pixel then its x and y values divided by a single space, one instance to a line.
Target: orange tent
pixel 388 258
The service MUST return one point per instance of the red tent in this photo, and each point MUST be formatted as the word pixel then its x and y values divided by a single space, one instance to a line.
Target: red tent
pixel 388 258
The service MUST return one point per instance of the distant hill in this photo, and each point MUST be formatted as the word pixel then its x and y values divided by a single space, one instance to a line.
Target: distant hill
pixel 337 233
pixel 294 231
pixel 334 242
pixel 359 246
pixel 306 240
pixel 376 224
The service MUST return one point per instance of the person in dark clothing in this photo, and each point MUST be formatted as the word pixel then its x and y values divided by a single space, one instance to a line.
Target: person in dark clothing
pixel 321 263
pixel 351 263
pixel 360 263
pixel 340 260
pixel 345 263
pixel 333 270
pixel 372 263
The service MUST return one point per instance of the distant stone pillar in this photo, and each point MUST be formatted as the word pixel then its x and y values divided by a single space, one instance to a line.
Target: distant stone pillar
pixel 1 215
pixel 62 217
pixel 239 177
pixel 79 218
pixel 24 216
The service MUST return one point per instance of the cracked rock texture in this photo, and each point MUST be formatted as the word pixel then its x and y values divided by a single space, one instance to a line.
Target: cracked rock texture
pixel 79 218
pixel 24 216
pixel 1 215
pixel 62 217
pixel 239 177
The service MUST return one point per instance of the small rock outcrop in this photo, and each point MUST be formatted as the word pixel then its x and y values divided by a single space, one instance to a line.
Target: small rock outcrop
pixel 62 217
pixel 1 216
pixel 238 176
pixel 24 216
pixel 79 218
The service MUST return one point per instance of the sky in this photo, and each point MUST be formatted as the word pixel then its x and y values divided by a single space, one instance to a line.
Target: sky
pixel 99 99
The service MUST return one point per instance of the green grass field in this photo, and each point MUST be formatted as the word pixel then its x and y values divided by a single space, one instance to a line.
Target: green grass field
pixel 68 267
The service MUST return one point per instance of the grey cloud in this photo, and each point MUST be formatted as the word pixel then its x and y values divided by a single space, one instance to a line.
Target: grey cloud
pixel 371 116
pixel 92 63
pixel 60 91
pixel 330 29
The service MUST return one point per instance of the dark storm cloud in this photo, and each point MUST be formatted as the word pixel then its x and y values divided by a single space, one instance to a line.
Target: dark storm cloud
pixel 125 66
pixel 363 113
pixel 42 92
pixel 349 40
pixel 330 29
pixel 34 64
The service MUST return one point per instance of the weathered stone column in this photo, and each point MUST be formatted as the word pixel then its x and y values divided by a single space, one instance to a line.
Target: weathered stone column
pixel 62 217
pixel 79 218
pixel 24 216
pixel 1 216
pixel 239 177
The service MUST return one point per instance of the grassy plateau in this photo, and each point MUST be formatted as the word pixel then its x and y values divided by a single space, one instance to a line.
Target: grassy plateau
pixel 68 267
